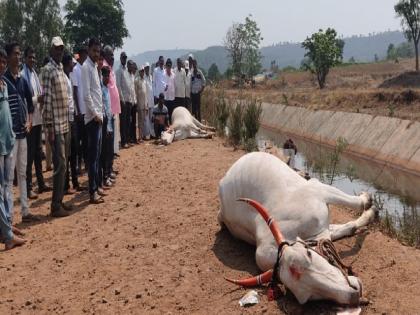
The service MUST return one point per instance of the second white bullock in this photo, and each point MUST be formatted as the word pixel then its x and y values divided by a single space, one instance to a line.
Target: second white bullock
pixel 292 216
pixel 184 126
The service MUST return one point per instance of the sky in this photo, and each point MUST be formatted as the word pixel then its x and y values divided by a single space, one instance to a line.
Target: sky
pixel 198 24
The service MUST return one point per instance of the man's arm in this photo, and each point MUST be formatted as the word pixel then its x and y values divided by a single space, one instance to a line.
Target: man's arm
pixel 75 84
pixel 87 98
pixel 118 79
pixel 29 104
pixel 47 108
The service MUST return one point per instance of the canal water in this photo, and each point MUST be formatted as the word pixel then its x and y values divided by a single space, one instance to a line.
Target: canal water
pixel 396 193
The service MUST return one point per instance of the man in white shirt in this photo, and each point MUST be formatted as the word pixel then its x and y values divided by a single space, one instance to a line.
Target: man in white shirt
pixel 123 84
pixel 92 96
pixel 149 129
pixel 71 166
pixel 76 78
pixel 180 84
pixel 169 79
pixel 187 85
pixel 132 69
pixel 34 137
pixel 142 107
pixel 158 80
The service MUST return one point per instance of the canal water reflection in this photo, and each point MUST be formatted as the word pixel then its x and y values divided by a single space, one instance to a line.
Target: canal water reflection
pixel 397 193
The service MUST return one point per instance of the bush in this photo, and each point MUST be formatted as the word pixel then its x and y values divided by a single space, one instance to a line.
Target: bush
pixel 222 113
pixel 235 124
pixel 251 118
pixel 208 106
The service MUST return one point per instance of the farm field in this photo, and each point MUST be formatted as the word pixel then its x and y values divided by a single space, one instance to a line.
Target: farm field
pixel 351 88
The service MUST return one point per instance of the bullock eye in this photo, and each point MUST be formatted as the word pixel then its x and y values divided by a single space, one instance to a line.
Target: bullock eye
pixel 309 253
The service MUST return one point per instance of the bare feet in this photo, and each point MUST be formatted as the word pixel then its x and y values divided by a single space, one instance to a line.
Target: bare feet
pixel 15 242
pixel 16 231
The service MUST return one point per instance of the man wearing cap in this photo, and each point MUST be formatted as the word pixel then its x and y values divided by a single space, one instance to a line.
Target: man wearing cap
pixel 180 84
pixel 123 84
pixel 56 122
pixel 159 83
pixel 149 130
pixel 92 95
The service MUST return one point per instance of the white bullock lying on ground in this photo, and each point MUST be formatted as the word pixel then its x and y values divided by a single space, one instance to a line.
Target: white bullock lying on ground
pixel 184 126
pixel 291 229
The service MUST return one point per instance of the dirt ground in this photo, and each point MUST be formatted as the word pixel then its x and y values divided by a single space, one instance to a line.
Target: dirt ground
pixel 155 247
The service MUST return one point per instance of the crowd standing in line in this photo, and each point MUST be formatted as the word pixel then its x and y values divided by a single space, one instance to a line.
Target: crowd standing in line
pixel 87 112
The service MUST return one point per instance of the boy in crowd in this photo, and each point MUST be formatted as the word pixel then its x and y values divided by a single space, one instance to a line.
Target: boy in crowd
pixel 107 131
pixel 160 116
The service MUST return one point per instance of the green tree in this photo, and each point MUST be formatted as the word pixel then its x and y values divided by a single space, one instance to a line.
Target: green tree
pixel 214 73
pixel 12 21
pixel 30 23
pixel 391 53
pixel 103 19
pixel 324 50
pixel 409 12
pixel 242 43
pixel 253 39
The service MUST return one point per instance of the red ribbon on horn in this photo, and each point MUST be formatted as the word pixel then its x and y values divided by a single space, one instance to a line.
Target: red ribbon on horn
pixel 254 281
pixel 278 236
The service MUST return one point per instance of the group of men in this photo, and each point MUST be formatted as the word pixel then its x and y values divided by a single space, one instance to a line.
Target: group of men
pixel 87 113
pixel 149 98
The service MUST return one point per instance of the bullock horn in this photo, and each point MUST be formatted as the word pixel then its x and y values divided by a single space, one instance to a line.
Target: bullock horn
pixel 254 281
pixel 278 236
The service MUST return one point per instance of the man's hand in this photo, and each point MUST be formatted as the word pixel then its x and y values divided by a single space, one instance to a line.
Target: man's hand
pixel 166 88
pixel 98 119
pixel 79 117
pixel 28 126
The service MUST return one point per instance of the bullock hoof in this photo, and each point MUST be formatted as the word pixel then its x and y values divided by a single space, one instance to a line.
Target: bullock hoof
pixel 367 200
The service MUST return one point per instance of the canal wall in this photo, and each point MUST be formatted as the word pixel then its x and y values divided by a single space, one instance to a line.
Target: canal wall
pixel 390 141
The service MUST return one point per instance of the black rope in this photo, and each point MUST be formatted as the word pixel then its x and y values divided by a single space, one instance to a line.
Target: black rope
pixel 275 277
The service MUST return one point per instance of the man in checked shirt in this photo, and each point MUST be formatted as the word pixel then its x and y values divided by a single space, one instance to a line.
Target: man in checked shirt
pixel 56 122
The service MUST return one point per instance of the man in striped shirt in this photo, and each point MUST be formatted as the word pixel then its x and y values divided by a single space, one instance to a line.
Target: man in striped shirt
pixel 56 121
pixel 21 107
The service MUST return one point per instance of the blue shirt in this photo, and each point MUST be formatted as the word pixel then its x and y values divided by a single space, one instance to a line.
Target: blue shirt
pixel 20 102
pixel 107 107
pixel 7 136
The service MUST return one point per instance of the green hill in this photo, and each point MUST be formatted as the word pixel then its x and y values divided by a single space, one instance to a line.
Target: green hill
pixel 362 48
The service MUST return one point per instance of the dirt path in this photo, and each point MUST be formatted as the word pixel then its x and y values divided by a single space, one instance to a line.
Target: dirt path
pixel 155 247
